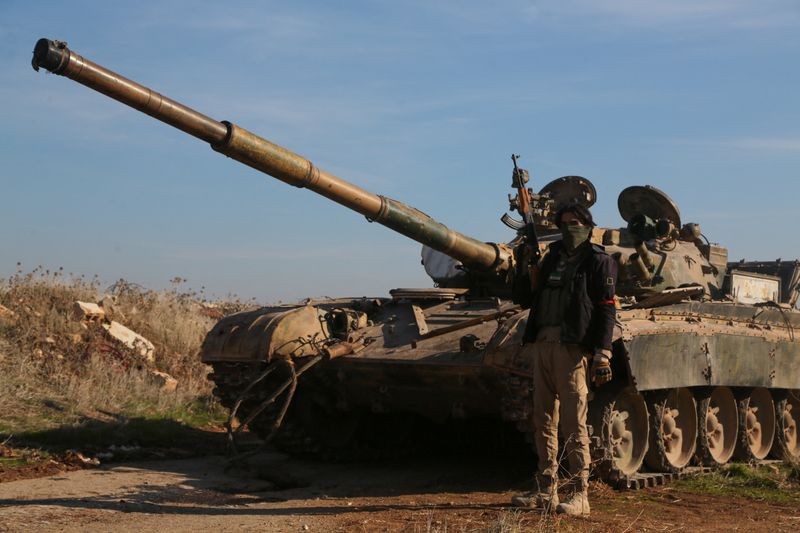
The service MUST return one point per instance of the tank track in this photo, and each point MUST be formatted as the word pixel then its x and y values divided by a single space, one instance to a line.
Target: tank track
pixel 341 441
pixel 517 404
pixel 310 431
pixel 231 379
pixel 518 408
pixel 646 480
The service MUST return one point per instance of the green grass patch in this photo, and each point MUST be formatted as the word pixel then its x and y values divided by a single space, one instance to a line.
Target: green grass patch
pixel 191 427
pixel 199 413
pixel 772 482
pixel 11 458
pixel 14 462
pixel 91 436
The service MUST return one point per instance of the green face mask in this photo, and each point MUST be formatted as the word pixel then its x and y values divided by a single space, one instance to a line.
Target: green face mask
pixel 574 236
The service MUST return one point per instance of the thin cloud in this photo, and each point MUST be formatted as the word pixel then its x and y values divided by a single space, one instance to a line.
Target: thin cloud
pixel 753 144
pixel 770 144
pixel 613 14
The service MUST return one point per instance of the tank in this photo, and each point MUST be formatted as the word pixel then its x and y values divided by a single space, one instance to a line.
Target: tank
pixel 706 364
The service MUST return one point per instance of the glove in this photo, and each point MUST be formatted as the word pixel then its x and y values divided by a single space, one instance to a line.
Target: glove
pixel 601 369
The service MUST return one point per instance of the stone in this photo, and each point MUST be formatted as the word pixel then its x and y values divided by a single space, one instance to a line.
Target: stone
pixel 165 381
pixel 89 312
pixel 132 340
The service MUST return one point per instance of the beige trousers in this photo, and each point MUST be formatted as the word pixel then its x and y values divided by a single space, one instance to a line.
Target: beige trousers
pixel 560 395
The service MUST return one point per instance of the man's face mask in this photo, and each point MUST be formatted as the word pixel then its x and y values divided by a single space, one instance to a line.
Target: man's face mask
pixel 574 236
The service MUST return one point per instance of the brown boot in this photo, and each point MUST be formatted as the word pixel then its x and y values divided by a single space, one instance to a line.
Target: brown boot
pixel 545 499
pixel 577 505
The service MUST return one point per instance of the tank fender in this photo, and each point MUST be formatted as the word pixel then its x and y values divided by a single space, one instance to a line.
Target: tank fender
pixel 663 361
pixel 266 334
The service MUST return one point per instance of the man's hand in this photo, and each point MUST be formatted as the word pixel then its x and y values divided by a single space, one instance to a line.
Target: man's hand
pixel 601 369
pixel 523 254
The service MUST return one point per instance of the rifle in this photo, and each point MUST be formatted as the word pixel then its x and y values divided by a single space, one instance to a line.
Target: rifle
pixel 522 203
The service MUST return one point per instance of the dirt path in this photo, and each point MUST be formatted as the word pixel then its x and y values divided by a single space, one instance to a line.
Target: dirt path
pixel 278 494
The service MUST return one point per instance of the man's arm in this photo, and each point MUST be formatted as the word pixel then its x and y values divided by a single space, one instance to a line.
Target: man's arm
pixel 604 316
pixel 523 289
pixel 603 291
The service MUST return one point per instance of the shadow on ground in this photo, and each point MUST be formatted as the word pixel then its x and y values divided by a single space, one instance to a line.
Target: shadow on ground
pixel 129 438
pixel 214 486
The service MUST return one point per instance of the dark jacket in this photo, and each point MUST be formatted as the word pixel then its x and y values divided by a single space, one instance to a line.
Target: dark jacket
pixel 591 313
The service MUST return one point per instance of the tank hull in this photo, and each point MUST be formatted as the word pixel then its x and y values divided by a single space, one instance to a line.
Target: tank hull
pixel 683 353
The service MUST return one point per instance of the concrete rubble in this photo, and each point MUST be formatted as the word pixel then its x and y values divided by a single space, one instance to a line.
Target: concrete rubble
pixel 89 312
pixel 130 339
pixel 164 380
pixel 93 314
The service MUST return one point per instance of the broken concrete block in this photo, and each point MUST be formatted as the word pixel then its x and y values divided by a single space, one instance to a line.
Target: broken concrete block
pixel 89 312
pixel 130 339
pixel 165 381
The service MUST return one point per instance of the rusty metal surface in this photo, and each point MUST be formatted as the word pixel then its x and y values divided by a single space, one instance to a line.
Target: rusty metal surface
pixel 419 318
pixel 752 288
pixel 669 297
pixel 650 201
pixel 570 189
pixel 139 97
pixel 708 344
pixel 675 264
pixel 787 271
pixel 265 334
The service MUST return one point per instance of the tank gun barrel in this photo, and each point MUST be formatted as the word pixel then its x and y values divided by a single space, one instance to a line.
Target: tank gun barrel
pixel 261 154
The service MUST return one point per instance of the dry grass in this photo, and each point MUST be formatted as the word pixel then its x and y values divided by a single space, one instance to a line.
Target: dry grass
pixel 506 521
pixel 55 371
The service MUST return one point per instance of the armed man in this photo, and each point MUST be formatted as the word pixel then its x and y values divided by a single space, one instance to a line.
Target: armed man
pixel 572 318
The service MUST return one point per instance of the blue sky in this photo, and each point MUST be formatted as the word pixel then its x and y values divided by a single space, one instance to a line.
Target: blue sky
pixel 422 101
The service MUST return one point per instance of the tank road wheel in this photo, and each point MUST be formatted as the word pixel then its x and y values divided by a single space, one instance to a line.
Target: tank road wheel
pixel 622 424
pixel 756 425
pixel 717 424
pixel 787 416
pixel 673 430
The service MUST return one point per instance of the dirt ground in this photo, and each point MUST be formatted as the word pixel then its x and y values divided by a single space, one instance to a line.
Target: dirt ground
pixel 274 493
